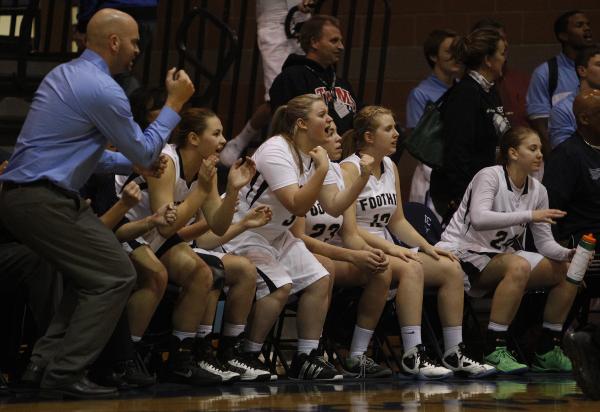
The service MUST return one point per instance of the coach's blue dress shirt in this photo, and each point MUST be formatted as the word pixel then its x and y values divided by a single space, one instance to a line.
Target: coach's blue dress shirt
pixel 75 112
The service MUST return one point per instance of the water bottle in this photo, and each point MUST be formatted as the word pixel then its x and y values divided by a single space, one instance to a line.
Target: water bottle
pixel 581 260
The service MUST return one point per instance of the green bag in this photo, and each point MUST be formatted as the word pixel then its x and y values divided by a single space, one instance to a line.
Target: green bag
pixel 426 142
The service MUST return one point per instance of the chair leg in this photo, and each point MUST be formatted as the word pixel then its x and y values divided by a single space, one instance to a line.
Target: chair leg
pixel 428 329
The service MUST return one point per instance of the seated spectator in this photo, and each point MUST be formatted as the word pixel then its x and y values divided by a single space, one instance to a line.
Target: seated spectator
pixel 573 31
pixel 473 118
pixel 573 172
pixel 483 233
pixel 444 72
pixel 562 123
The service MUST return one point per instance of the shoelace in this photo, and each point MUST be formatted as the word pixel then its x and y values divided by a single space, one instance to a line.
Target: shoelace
pixel 140 363
pixel 424 360
pixel 365 363
pixel 504 353
pixel 215 363
pixel 559 353
pixel 251 360
pixel 464 356
pixel 322 361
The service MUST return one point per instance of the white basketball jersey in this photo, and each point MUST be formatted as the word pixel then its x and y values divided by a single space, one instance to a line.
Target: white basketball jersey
pixel 143 209
pixel 460 234
pixel 276 168
pixel 318 223
pixel 378 200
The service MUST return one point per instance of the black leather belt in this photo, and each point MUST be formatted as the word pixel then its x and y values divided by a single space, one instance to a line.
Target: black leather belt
pixel 7 186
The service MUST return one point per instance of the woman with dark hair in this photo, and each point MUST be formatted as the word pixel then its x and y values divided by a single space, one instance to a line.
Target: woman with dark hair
pixel 473 118
pixel 190 181
pixel 483 233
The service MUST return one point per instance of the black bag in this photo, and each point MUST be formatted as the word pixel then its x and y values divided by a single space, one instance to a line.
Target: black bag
pixel 426 142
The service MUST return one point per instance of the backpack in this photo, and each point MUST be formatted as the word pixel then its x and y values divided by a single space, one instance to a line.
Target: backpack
pixel 552 77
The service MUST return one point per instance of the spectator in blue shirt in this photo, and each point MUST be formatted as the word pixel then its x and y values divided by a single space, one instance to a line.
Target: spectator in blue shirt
pixel 562 124
pixel 444 71
pixel 572 29
pixel 78 109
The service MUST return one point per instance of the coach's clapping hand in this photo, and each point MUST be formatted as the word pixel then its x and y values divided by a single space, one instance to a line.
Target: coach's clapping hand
pixel 156 170
pixel 179 89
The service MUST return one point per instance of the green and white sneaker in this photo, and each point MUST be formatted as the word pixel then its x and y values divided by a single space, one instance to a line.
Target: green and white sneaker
pixel 554 360
pixel 505 362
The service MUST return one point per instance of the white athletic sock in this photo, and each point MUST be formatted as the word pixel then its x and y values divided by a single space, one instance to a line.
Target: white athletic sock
pixel 252 347
pixel 360 341
pixel 307 345
pixel 229 329
pixel 135 339
pixel 232 150
pixel 452 336
pixel 203 330
pixel 183 335
pixel 555 327
pixel 496 327
pixel 411 337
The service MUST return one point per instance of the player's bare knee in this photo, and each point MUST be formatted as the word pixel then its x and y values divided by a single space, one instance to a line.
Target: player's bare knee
pixel 518 271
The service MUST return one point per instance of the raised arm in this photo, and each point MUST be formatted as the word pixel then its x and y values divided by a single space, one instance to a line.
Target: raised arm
pixel 335 201
pixel 219 213
pixel 161 192
pixel 110 112
pixel 298 200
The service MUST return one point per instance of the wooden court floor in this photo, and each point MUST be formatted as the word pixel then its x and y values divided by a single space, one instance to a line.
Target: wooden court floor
pixel 532 392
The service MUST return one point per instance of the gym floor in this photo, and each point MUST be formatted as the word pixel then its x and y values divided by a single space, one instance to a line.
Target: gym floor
pixel 530 392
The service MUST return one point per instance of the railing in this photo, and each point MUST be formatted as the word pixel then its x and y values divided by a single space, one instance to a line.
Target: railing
pixel 215 41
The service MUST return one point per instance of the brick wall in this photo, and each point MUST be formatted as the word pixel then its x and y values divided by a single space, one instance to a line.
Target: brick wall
pixel 529 26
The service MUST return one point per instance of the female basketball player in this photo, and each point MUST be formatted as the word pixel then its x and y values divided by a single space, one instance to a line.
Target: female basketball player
pixel 292 172
pixel 379 215
pixel 190 180
pixel 484 233
pixel 360 266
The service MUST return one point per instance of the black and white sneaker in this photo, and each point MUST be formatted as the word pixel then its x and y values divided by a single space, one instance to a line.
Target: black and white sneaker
pixel 207 361
pixel 247 364
pixel 458 362
pixel 362 366
pixel 416 363
pixel 313 367
pixel 182 366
